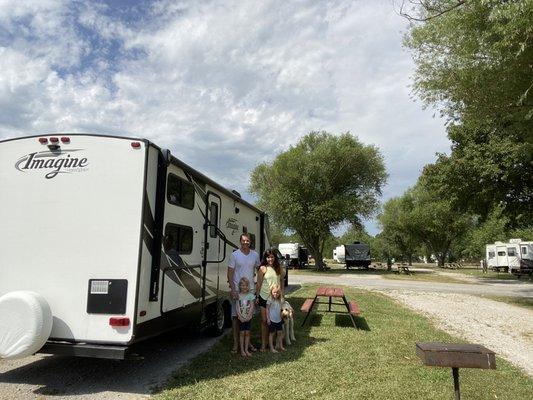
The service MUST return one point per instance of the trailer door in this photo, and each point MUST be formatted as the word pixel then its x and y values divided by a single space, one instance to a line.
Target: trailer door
pixel 501 256
pixel 213 248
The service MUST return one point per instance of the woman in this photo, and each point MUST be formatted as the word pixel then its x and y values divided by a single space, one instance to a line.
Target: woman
pixel 269 274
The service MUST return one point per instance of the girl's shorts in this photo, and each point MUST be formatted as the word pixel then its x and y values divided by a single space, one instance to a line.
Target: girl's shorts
pixel 275 326
pixel 245 326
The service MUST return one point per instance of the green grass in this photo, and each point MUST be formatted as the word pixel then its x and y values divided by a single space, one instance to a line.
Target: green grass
pixel 490 275
pixel 332 360
pixel 339 269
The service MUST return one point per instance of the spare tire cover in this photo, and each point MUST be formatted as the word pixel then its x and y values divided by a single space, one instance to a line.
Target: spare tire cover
pixel 25 323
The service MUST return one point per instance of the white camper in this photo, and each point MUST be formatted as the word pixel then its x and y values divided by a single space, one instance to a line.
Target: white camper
pixel 107 241
pixel 341 254
pixel 508 256
pixel 290 249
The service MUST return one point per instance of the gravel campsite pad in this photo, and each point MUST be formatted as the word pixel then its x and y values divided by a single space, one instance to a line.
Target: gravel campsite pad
pixel 503 328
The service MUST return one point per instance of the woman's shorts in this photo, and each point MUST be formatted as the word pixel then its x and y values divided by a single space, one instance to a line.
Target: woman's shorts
pixel 245 326
pixel 275 326
pixel 262 302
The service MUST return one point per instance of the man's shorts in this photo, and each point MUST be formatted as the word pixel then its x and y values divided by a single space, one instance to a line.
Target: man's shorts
pixel 275 326
pixel 245 326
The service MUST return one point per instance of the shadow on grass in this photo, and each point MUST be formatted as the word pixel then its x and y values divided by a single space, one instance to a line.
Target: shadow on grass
pixel 344 321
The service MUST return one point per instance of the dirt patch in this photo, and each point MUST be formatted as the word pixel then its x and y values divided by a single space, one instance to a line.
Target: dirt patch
pixel 503 328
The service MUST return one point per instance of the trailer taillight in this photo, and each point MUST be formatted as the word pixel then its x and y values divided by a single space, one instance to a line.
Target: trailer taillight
pixel 43 140
pixel 65 139
pixel 119 321
pixel 135 145
pixel 54 140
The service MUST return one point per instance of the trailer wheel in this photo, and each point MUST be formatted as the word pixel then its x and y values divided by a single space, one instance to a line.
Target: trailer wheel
pixel 218 322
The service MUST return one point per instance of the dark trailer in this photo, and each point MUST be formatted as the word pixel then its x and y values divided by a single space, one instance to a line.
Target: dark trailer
pixel 357 255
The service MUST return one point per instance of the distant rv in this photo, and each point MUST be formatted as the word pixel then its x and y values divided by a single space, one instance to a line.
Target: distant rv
pixel 107 241
pixel 516 256
pixel 357 254
pixel 298 254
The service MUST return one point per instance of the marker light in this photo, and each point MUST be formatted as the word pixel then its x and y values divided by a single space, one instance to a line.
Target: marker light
pixel 65 139
pixel 43 140
pixel 54 140
pixel 135 145
pixel 119 321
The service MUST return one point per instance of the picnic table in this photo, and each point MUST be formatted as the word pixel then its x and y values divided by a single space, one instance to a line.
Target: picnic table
pixel 331 293
pixel 403 268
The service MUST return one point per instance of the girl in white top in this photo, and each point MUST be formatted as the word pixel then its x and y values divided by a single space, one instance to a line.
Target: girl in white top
pixel 275 322
pixel 245 311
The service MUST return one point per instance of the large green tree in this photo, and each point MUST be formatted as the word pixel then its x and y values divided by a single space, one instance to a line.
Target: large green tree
pixel 474 64
pixel 438 225
pixel 399 226
pixel 321 182
pixel 421 220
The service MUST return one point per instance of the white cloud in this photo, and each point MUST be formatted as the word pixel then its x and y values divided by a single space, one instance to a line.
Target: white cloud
pixel 224 85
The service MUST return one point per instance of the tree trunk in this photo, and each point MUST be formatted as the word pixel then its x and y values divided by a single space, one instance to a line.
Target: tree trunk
pixel 410 258
pixel 319 262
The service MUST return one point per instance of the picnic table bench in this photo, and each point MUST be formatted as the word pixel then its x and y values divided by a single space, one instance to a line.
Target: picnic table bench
pixel 352 307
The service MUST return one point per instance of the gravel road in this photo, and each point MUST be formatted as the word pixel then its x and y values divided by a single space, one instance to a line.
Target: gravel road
pixel 495 287
pixel 505 329
pixel 56 377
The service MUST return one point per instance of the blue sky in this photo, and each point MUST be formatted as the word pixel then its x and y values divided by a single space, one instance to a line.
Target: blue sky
pixel 224 84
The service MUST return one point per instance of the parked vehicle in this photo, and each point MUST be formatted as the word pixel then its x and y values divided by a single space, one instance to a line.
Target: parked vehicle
pixel 107 241
pixel 508 256
pixel 357 254
pixel 339 254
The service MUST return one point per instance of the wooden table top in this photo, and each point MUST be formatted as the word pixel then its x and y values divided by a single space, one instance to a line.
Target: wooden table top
pixel 330 291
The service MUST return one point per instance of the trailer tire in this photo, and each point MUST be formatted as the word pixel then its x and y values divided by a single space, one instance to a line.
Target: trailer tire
pixel 219 318
pixel 26 324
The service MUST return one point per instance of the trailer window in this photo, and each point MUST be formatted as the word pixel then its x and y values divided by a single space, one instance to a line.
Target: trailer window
pixel 501 253
pixel 252 241
pixel 524 250
pixel 511 252
pixel 180 192
pixel 213 220
pixel 492 254
pixel 180 238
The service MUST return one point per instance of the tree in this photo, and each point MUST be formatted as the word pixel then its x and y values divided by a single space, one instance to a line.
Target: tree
pixel 474 63
pixel 437 223
pixel 321 182
pixel 399 226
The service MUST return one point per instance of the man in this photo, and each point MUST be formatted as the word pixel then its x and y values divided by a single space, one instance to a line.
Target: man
pixel 242 263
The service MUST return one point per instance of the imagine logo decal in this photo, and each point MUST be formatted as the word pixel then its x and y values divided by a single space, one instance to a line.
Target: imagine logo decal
pixel 232 224
pixel 59 162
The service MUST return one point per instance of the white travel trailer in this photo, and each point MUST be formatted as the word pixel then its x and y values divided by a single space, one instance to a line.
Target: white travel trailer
pixel 106 241
pixel 290 249
pixel 340 254
pixel 508 256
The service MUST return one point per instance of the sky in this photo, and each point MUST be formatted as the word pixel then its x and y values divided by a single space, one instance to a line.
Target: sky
pixel 225 85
